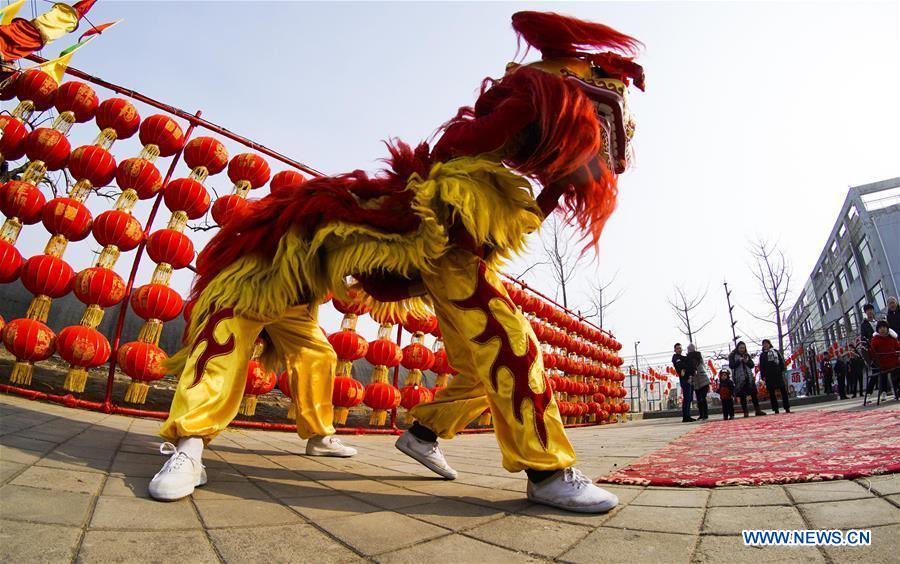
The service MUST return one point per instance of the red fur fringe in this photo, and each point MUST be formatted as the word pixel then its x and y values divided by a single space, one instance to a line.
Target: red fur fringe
pixel 555 34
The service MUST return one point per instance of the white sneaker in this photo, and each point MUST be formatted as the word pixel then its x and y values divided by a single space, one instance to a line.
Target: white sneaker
pixel 328 446
pixel 571 490
pixel 425 453
pixel 178 477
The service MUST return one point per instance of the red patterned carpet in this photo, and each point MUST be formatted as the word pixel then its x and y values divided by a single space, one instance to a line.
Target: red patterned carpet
pixel 776 449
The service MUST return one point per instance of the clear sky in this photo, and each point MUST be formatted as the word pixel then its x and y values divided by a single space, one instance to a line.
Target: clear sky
pixel 756 119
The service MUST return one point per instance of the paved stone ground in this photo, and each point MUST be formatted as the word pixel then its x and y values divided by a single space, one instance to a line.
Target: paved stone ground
pixel 74 489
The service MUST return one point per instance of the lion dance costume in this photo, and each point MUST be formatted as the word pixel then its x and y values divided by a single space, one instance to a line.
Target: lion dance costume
pixel 437 223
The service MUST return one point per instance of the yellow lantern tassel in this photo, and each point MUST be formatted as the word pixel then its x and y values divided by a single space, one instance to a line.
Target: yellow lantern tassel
pixel 248 406
pixel 39 308
pixel 340 415
pixel 76 379
pixel 485 419
pixel 378 418
pixel 21 373
pixel 414 377
pixel 137 392
pixel 292 412
pixel 150 332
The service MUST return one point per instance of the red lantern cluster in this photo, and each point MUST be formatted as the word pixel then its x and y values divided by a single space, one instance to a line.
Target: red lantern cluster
pixel 579 358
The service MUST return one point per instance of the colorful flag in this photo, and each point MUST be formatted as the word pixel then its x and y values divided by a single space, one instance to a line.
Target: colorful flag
pixel 7 13
pixel 57 67
pixel 97 29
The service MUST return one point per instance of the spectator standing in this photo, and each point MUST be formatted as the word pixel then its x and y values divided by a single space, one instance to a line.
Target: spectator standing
pixel 857 368
pixel 840 376
pixel 680 363
pixel 867 328
pixel 744 380
pixel 893 314
pixel 812 380
pixel 886 353
pixel 771 366
pixel 699 380
pixel 726 394
pixel 827 374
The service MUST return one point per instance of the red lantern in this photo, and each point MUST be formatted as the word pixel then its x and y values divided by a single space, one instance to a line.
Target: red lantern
pixel 12 140
pixel 67 217
pixel 93 164
pixel 10 262
pixel 348 345
pixel 163 132
pixel 47 275
pixel 207 152
pixel 139 175
pixel 143 363
pixel 82 347
pixel 48 146
pixel 259 382
pixel 99 286
pixel 119 117
pixel 381 397
pixel 353 307
pixel 286 180
pixel 156 301
pixel 38 87
pixel 384 352
pixel 29 341
pixel 224 208
pixel 345 394
pixel 187 195
pixel 249 167
pixel 78 98
pixel 411 396
pixel 171 247
pixel 442 363
pixel 419 325
pixel 417 356
pixel 22 200
pixel 117 228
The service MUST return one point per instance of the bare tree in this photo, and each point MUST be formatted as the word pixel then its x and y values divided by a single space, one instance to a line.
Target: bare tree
pixel 683 307
pixel 773 272
pixel 601 297
pixel 563 257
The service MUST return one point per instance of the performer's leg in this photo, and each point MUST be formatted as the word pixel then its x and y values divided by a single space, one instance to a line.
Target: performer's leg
pixel 492 345
pixel 207 398
pixel 310 363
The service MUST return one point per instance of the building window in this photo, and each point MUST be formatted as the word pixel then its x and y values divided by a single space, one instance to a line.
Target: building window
pixel 843 285
pixel 832 293
pixel 834 247
pixel 859 308
pixel 864 251
pixel 852 321
pixel 851 214
pixel 842 231
pixel 877 297
pixel 852 268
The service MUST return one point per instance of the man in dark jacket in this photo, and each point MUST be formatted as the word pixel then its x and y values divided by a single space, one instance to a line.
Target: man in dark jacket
pixel 857 368
pixel 840 375
pixel 771 367
pixel 684 371
pixel 893 314
pixel 827 374
pixel 867 327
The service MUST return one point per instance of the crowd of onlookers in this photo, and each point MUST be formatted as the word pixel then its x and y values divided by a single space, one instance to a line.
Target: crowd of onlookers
pixel 876 354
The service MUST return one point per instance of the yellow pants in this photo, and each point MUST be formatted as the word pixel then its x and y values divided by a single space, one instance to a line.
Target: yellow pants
pixel 211 386
pixel 496 352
